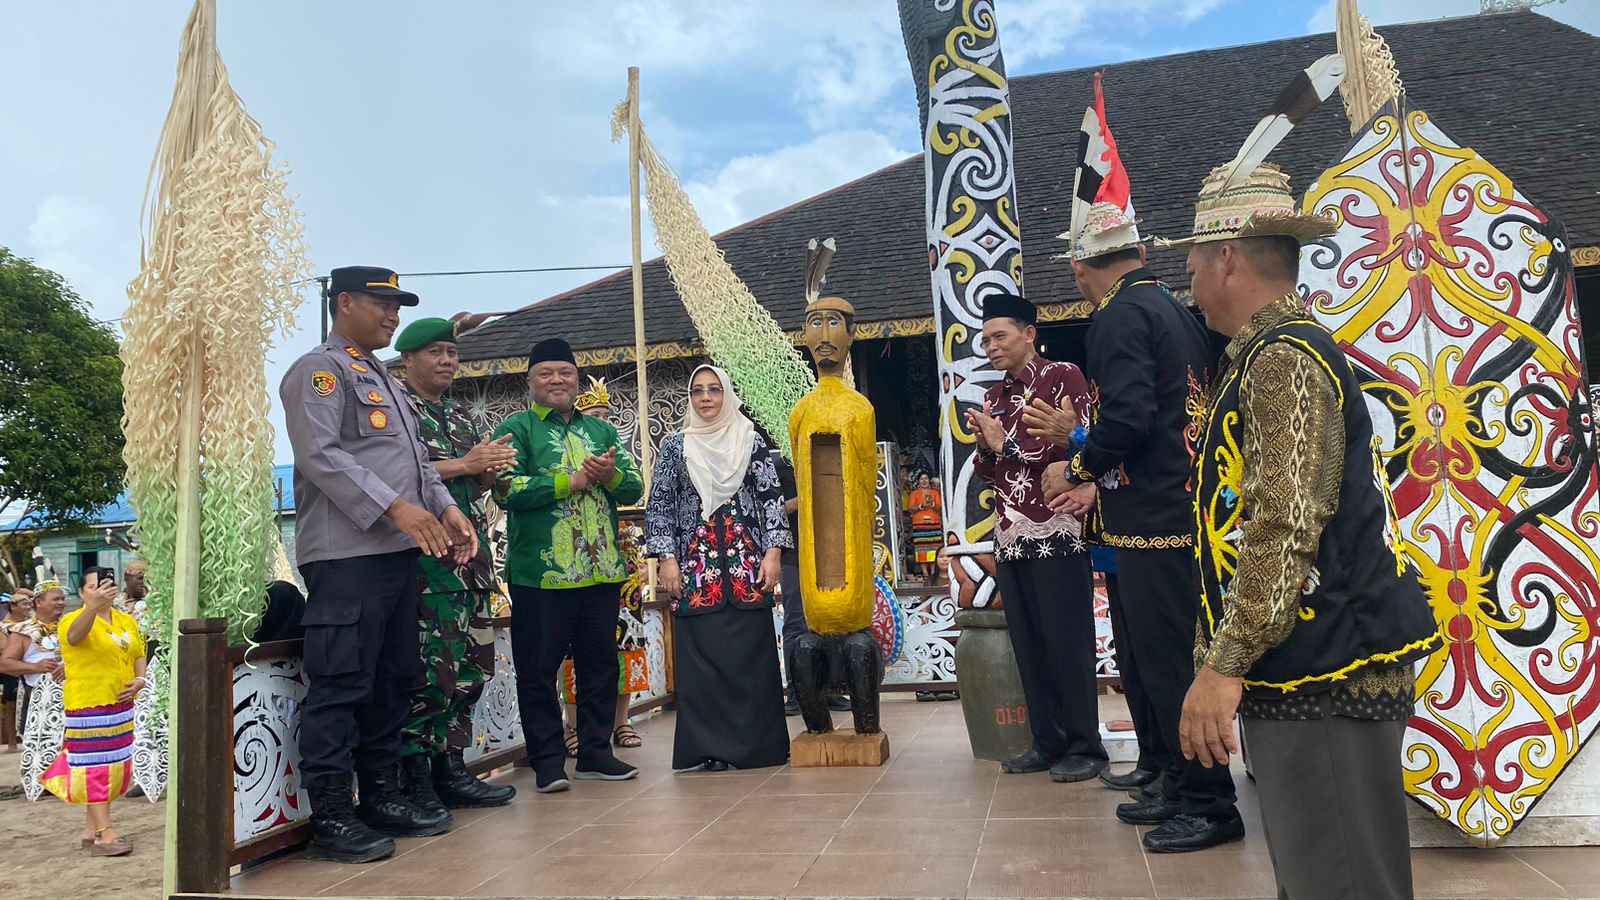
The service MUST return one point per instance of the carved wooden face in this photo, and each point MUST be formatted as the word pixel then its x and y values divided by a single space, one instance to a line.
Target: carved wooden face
pixel 829 332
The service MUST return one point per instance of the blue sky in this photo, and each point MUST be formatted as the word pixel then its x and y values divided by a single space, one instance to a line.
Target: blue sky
pixel 427 136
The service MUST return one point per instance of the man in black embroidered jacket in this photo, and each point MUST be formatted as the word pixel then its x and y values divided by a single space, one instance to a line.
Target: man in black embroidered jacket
pixel 1148 361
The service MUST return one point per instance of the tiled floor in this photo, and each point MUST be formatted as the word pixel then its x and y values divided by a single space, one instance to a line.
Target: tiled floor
pixel 931 823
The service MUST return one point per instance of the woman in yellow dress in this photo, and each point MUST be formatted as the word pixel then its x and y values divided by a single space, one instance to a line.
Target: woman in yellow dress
pixel 105 662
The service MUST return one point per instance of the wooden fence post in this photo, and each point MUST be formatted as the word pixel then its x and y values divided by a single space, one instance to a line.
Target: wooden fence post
pixel 203 774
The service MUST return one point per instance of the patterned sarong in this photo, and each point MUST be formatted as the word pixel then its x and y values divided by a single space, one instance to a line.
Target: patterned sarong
pixel 96 765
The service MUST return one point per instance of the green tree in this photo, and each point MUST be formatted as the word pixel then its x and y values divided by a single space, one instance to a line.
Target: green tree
pixel 60 399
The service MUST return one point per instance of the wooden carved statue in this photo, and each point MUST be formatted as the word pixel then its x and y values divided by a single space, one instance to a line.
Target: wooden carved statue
pixel 832 432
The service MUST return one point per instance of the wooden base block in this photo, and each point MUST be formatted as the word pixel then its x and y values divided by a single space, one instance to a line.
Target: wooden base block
pixel 838 748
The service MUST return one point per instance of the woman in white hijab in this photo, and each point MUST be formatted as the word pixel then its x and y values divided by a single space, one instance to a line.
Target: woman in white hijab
pixel 716 523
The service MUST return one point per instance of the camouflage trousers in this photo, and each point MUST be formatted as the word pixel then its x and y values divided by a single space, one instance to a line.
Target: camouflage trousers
pixel 458 653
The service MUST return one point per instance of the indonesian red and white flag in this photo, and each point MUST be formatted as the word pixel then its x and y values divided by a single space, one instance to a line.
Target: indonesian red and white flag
pixel 1100 177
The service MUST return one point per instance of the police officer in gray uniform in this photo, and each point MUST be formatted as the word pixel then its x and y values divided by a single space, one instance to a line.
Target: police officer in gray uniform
pixel 368 503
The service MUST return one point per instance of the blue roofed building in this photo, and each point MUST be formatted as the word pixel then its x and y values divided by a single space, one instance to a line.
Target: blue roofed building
pixel 105 540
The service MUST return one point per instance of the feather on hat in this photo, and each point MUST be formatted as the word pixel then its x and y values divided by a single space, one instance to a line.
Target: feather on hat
pixel 1250 198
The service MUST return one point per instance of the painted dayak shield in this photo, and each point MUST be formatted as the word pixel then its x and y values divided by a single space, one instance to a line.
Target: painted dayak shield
pixel 1452 294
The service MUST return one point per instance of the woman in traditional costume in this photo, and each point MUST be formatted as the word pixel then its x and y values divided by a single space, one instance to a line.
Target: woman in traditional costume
pixel 19 609
pixel 32 649
pixel 927 526
pixel 104 657
pixel 716 522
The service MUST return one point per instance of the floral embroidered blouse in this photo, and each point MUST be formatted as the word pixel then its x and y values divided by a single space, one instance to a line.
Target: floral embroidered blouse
pixel 720 559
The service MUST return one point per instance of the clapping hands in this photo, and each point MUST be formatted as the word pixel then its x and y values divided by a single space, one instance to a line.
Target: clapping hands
pixel 988 431
pixel 595 470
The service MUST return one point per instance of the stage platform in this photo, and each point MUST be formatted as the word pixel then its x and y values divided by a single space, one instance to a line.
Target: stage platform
pixel 932 822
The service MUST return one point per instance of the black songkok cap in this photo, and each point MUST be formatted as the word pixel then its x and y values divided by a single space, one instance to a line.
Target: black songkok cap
pixel 1010 306
pixel 551 350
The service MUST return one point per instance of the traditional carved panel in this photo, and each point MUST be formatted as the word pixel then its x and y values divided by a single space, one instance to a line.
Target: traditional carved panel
pixel 47 730
pixel 496 719
pixel 1452 294
pixel 267 791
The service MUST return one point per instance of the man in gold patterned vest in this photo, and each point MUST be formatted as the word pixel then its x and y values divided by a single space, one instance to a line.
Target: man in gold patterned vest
pixel 1311 615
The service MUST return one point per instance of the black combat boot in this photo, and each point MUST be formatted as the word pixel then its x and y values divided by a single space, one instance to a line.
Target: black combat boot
pixel 337 834
pixel 459 789
pixel 419 785
pixel 386 808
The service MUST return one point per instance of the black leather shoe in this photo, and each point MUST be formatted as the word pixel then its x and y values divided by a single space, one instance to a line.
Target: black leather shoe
pixel 386 808
pixel 419 784
pixel 1077 768
pixel 337 834
pixel 1185 833
pixel 1147 792
pixel 458 788
pixel 1149 812
pixel 1032 761
pixel 1128 780
pixel 715 765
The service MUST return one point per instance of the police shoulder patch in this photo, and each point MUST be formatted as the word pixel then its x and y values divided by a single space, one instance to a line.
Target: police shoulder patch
pixel 354 353
pixel 323 383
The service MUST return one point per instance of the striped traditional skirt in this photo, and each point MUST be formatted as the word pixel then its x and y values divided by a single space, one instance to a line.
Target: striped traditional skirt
pixel 927 541
pixel 96 765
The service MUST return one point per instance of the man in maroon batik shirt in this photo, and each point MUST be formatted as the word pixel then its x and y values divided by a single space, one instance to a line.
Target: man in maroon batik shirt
pixel 1042 562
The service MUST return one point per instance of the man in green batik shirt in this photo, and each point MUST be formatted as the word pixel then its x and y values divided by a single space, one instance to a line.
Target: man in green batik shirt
pixel 564 566
pixel 454 613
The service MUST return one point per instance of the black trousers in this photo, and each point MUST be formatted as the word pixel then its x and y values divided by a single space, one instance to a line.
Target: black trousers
pixel 362 658
pixel 1333 806
pixel 546 626
pixel 1049 607
pixel 1160 597
pixel 1154 756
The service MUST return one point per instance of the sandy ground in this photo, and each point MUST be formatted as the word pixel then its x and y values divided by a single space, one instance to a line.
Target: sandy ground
pixel 39 854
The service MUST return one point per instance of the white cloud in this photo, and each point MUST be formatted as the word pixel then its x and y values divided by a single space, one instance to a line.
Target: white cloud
pixel 60 222
pixel 85 245
pixel 751 186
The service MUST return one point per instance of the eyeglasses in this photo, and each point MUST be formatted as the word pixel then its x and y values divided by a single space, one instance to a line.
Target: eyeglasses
pixel 713 390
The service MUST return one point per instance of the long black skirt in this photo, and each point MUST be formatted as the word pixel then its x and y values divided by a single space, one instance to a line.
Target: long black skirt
pixel 729 690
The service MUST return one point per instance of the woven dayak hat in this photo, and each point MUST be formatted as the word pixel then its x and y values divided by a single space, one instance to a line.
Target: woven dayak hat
pixel 1258 205
pixel 1106 229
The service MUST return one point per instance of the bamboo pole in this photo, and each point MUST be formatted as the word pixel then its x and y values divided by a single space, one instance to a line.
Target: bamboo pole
pixel 639 350
pixel 641 381
pixel 186 572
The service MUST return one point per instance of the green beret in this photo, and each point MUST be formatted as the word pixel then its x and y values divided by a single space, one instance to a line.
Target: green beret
pixel 423 332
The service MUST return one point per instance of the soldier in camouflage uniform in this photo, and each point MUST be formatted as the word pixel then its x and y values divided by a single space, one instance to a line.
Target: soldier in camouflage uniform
pixel 457 637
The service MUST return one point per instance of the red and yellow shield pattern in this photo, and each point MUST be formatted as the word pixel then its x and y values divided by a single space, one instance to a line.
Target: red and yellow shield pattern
pixel 1452 294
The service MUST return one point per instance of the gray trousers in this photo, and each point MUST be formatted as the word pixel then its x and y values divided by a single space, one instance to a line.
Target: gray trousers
pixel 1333 806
